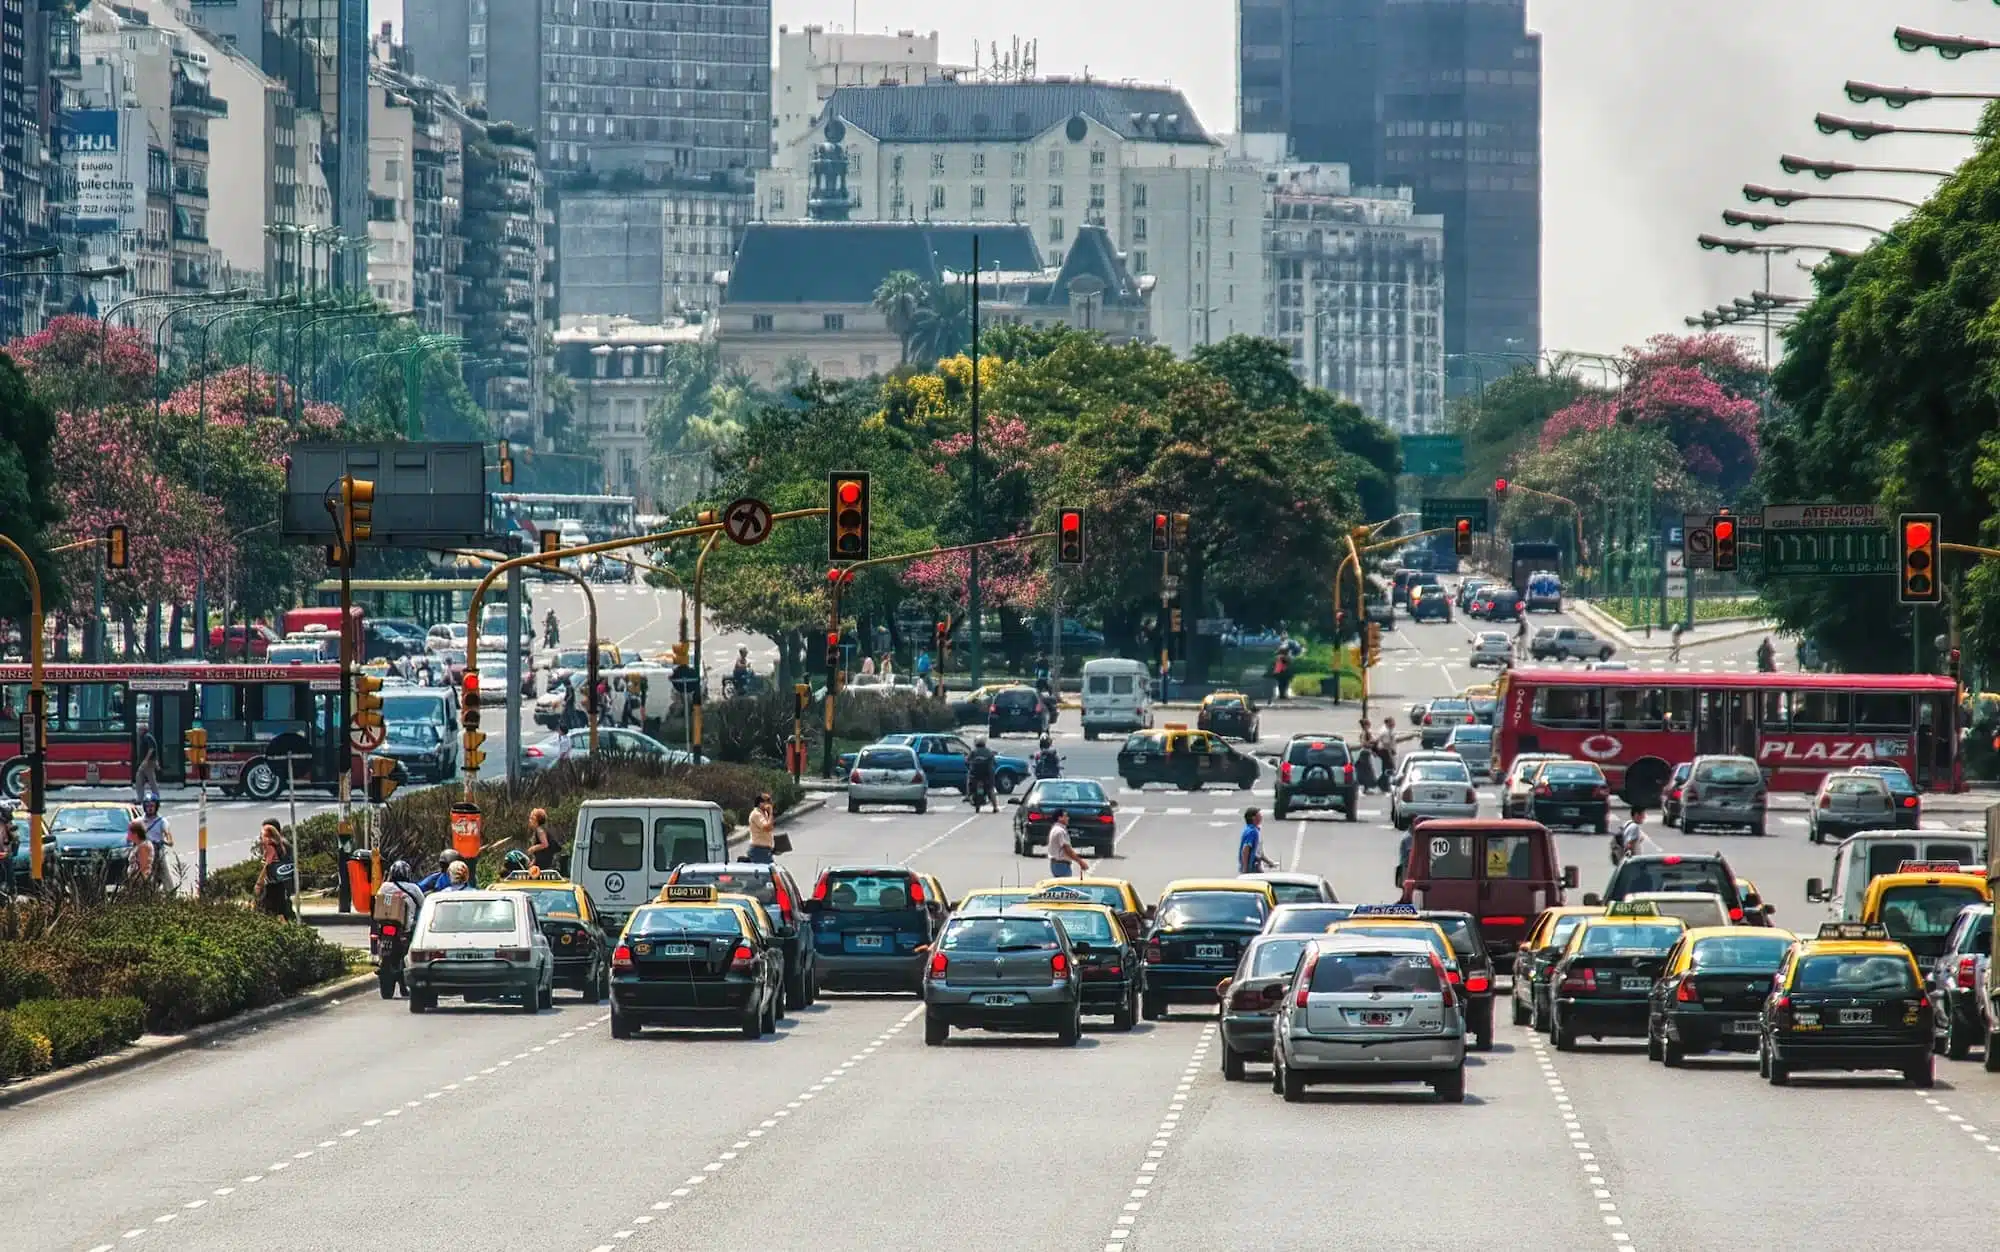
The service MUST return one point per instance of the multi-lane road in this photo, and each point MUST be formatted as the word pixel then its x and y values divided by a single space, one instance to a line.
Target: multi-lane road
pixel 479 1128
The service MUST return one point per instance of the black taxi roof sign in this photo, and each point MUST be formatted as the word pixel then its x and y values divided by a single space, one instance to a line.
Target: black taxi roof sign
pixel 1384 910
pixel 1853 930
pixel 689 893
pixel 1059 895
pixel 1631 908
pixel 1930 867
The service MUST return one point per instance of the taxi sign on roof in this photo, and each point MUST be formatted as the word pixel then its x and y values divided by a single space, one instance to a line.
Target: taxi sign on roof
pixel 534 875
pixel 1631 908
pixel 688 893
pixel 1175 726
pixel 1058 895
pixel 1853 930
pixel 1384 910
pixel 1930 867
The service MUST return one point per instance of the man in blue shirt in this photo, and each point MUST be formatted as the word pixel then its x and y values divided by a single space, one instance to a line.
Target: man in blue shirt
pixel 1250 849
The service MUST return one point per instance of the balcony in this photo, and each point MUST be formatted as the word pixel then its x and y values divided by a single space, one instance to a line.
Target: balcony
pixel 190 142
pixel 193 98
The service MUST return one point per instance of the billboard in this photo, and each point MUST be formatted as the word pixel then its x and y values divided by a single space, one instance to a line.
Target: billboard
pixel 105 150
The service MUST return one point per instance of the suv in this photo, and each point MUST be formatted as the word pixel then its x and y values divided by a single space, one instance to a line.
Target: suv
pixel 1428 601
pixel 870 926
pixel 1725 791
pixel 1314 772
pixel 1568 643
pixel 1704 872
pixel 1018 710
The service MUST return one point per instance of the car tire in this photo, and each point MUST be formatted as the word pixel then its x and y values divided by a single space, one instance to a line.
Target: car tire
pixel 921 807
pixel 1126 1016
pixel 795 990
pixel 545 998
pixel 1152 1007
pixel 769 1022
pixel 1005 782
pixel 1604 825
pixel 621 1026
pixel 1482 1030
pixel 531 996
pixel 1993 1051
pixel 1652 1043
pixel 1758 830
pixel 1450 1086
pixel 1232 1063
pixel 1071 1032
pixel 1561 1033
pixel 1777 1072
pixel 1957 1036
pixel 1669 820
pixel 600 985
pixel 1278 811
pixel 1020 848
pixel 1672 1053
pixel 1522 1016
pixel 1291 1086
pixel 1089 735
pixel 422 1002
pixel 936 1030
pixel 1923 1075
pixel 853 805
pixel 752 1025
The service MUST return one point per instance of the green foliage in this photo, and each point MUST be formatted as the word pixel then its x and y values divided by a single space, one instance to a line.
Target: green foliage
pixel 1713 609
pixel 1501 420
pixel 73 1031
pixel 28 502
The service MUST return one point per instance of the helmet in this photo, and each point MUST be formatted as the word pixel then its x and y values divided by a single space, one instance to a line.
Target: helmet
pixel 460 871
pixel 979 742
pixel 399 871
pixel 516 861
pixel 446 857
pixel 1045 741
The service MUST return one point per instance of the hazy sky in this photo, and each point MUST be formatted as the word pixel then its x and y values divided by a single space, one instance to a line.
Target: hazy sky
pixel 1654 115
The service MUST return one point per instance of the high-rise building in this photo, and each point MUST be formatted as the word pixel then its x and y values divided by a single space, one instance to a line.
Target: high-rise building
pixel 1443 97
pixel 813 62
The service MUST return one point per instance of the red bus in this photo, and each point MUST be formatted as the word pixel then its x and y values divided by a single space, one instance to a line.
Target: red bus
pixel 1638 726
pixel 253 713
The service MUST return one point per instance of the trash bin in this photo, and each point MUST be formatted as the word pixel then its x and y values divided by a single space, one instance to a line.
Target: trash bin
pixel 357 882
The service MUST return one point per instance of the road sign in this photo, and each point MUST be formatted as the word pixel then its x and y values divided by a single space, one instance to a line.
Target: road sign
pixel 1824 539
pixel 747 521
pixel 1433 456
pixel 1697 541
pixel 366 738
pixel 1676 562
pixel 1443 512
pixel 1676 536
pixel 1677 585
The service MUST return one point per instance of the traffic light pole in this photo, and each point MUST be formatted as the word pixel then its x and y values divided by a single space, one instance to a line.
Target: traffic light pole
pixel 695 696
pixel 1353 558
pixel 37 708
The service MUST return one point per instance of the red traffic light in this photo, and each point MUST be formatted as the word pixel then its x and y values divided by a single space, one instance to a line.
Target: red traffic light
pixel 1725 530
pixel 471 683
pixel 1917 534
pixel 1499 486
pixel 1072 522
pixel 1464 527
pixel 850 492
pixel 832 639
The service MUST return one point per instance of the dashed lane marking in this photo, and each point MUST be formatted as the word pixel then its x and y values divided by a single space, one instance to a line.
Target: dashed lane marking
pixel 1593 1173
pixel 1944 1110
pixel 1148 1173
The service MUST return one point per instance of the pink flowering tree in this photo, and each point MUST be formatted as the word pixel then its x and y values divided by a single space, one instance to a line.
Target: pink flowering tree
pixel 1688 389
pixel 75 362
pixel 1009 578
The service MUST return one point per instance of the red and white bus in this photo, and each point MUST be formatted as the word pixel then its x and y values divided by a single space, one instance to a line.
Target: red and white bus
pixel 1638 726
pixel 255 715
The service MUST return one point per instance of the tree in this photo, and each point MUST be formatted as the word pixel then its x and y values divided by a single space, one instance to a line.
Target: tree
pixel 1675 384
pixel 900 299
pixel 1500 422
pixel 29 503
pixel 75 362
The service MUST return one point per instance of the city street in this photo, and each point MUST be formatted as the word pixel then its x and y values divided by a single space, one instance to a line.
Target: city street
pixel 293 1134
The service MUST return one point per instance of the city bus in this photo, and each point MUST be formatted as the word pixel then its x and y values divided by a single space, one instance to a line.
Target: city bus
pixel 602 517
pixel 1798 727
pixel 255 715
pixel 426 601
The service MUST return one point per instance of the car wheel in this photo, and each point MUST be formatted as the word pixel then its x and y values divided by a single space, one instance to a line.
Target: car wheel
pixel 1604 825
pixel 422 1002
pixel 1758 830
pixel 752 1024
pixel 1232 1064
pixel 1072 1031
pixel 1482 1031
pixel 936 1031
pixel 1020 849
pixel 1152 1007
pixel 1006 782
pixel 1089 735
pixel 1672 1053
pixel 1923 1074
pixel 1278 811
pixel 1127 1014
pixel 853 805
pixel 1450 1086
pixel 1277 1073
pixel 1522 1015
pixel 1993 1051
pixel 386 977
pixel 621 1026
pixel 1776 1072
pixel 771 1015
pixel 1957 1036
pixel 1669 820
pixel 922 806
pixel 1652 1042
pixel 531 996
pixel 1292 1086
pixel 545 998
pixel 600 985
pixel 1562 1033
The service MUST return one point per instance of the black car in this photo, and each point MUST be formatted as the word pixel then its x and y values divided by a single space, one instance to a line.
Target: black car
pixel 1229 713
pixel 774 887
pixel 1429 603
pixel 1090 814
pixel 1530 989
pixel 421 750
pixel 1316 772
pixel 1602 984
pixel 1194 942
pixel 694 961
pixel 1188 759
pixel 1670 795
pixel 1475 972
pixel 1904 798
pixel 1018 710
pixel 1712 996
pixel 1858 1005
pixel 1679 871
pixel 574 931
pixel 1503 607
pixel 1107 955
pixel 1574 794
pixel 1957 979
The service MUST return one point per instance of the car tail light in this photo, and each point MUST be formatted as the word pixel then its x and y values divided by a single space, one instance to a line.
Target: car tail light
pixel 1034 815
pixel 1736 915
pixel 533 750
pixel 742 957
pixel 1670 860
pixel 1446 979
pixel 1346 772
pixel 939 963
pixel 1471 796
pixel 1306 980
pixel 1677 793
pixel 1687 993
pixel 1923 1002
pixel 1600 793
pixel 1451 976
pixel 1477 983
pixel 419 956
pixel 1407 793
pixel 916 892
pixel 854 777
pixel 1153 954
pixel 1826 802
pixel 820 888
pixel 1784 1003
pixel 1585 981
pixel 1104 817
pixel 1059 965
pixel 1543 789
pixel 389 930
pixel 1693 796
pixel 1468 719
pixel 1285 772
pixel 1909 802
pixel 1968 967
pixel 1427 719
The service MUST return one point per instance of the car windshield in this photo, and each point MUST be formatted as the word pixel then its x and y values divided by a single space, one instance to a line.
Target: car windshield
pixel 1762 953
pixel 1276 956
pixel 412 709
pixel 1924 911
pixel 1229 703
pixel 1448 708
pixel 1212 908
pixel 1068 792
pixel 1629 939
pixel 91 820
pixel 550 901
pixel 1365 973
pixel 1572 772
pixel 472 917
pixel 869 891
pixel 1892 776
pixel 887 758
pixel 1439 771
pixel 1309 921
pixel 762 888
pixel 1297 892
pixel 420 734
pixel 1728 773
pixel 685 920
pixel 999 934
pixel 1087 925
pixel 1855 974
pixel 980 901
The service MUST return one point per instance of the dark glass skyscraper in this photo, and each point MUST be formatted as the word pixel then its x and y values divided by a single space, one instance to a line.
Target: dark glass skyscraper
pixel 1442 96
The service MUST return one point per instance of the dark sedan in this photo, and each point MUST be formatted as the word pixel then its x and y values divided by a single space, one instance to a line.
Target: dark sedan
pixel 1711 997
pixel 1018 710
pixel 1090 814
pixel 1904 800
pixel 1573 794
pixel 1474 975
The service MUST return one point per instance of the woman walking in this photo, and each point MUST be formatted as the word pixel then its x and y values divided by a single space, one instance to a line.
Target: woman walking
pixel 274 881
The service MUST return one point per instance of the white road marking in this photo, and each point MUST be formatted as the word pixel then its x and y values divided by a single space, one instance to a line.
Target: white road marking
pixel 1299 846
pixel 1593 1173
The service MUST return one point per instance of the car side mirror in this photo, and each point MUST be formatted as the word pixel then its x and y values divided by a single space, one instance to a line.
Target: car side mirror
pixel 1815 891
pixel 1222 989
pixel 1592 900
pixel 1753 901
pixel 1570 878
pixel 1014 800
pixel 1274 993
pixel 1114 806
pixel 809 906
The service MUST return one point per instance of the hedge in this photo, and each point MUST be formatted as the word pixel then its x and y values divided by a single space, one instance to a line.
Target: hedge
pixel 49 1034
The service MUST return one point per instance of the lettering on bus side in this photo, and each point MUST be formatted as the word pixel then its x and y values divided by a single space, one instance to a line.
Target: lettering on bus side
pixel 1857 751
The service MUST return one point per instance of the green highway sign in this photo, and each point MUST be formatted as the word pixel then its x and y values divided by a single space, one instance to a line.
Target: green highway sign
pixel 1827 540
pixel 1433 456
pixel 1443 512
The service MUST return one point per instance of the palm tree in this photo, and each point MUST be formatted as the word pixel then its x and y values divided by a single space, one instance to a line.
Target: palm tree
pixel 943 324
pixel 900 299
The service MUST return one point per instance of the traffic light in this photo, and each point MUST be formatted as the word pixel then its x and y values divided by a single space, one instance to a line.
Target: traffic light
pixel 1069 537
pixel 197 753
pixel 357 507
pixel 801 696
pixel 506 464
pixel 1174 621
pixel 1180 530
pixel 1724 531
pixel 475 756
pixel 1462 537
pixel 1161 533
pixel 382 781
pixel 681 652
pixel 367 702
pixel 551 539
pixel 847 516
pixel 1918 534
pixel 1499 486
pixel 832 652
pixel 116 553
pixel 1374 644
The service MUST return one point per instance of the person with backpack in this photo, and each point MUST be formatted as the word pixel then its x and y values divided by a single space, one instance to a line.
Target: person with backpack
pixel 274 881
pixel 1632 839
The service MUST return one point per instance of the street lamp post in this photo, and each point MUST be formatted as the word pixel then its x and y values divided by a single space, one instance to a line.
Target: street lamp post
pixel 1899 97
pixel 1824 170
pixel 1785 197
pixel 1765 221
pixel 1950 47
pixel 1831 124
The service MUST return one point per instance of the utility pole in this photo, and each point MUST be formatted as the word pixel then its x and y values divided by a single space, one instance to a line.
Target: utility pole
pixel 978 516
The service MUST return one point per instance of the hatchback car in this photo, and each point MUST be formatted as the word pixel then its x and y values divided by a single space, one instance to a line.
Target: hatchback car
pixel 1018 711
pixel 1369 1009
pixel 1090 815
pixel 1491 647
pixel 1250 996
pixel 1474 745
pixel 1441 716
pixel 887 773
pixel 1909 802
pixel 580 948
pixel 1723 792
pixel 1498 606
pixel 1012 971
pixel 1433 788
pixel 1568 643
pixel 1429 603
pixel 868 924
pixel 1849 802
pixel 483 945
pixel 1315 772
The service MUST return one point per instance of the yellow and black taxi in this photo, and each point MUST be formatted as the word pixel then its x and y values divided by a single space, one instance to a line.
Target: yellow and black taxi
pixel 1602 984
pixel 1921 900
pixel 574 930
pixel 1107 958
pixel 773 886
pixel 1548 935
pixel 692 958
pixel 1710 997
pixel 1184 758
pixel 1116 894
pixel 1849 998
pixel 1473 975
pixel 1198 932
pixel 991 899
pixel 1228 713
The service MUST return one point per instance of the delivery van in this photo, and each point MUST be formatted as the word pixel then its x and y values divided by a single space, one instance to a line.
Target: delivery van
pixel 625 850
pixel 1117 696
pixel 1503 872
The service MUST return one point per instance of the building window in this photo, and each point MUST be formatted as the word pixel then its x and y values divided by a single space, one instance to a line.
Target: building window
pixel 1138 262
pixel 1055 163
pixel 1055 195
pixel 1055 259
pixel 760 321
pixel 896 166
pixel 1138 228
pixel 1139 196
pixel 1017 197
pixel 777 199
pixel 1056 232
pixel 1097 197
pixel 979 197
pixel 937 165
pixel 1020 163
pixel 979 165
pixel 937 195
pixel 1230 264
pixel 833 321
pixel 1096 160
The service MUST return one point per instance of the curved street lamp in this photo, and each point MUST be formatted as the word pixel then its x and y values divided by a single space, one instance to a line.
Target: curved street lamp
pixel 1765 221
pixel 1735 247
pixel 1900 97
pixel 1827 169
pixel 1950 47
pixel 1829 124
pixel 1785 197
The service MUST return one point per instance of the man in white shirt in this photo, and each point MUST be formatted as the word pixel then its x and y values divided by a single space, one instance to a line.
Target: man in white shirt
pixel 1062 853
pixel 160 834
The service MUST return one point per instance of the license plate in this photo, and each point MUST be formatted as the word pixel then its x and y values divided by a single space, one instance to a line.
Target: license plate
pixel 676 949
pixel 1567 811
pixel 1743 1028
pixel 1140 758
pixel 1856 1017
pixel 1636 984
pixel 1374 1019
pixel 1208 952
pixel 867 941
pixel 471 954
pixel 996 1001
pixel 1439 796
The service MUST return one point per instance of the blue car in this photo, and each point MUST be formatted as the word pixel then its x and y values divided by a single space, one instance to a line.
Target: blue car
pixel 943 759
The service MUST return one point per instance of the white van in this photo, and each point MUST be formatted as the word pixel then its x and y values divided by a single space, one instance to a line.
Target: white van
pixel 1860 858
pixel 1117 696
pixel 625 849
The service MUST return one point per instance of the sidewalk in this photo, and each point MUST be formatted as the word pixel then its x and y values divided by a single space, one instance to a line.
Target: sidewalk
pixel 1720 630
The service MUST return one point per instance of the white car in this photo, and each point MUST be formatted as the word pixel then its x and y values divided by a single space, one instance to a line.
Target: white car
pixel 446 636
pixel 887 773
pixel 1492 647
pixel 1696 908
pixel 1435 786
pixel 483 945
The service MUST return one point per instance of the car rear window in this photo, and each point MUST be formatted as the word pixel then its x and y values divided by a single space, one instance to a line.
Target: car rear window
pixel 1212 908
pixel 762 888
pixel 1370 972
pixel 1856 786
pixel 886 758
pixel 1100 893
pixel 1296 892
pixel 849 891
pixel 1427 934
pixel 1734 952
pixel 473 917
pixel 1923 911
pixel 1565 927
pixel 1144 741
pixel 1231 703
pixel 996 934
pixel 1067 792
pixel 981 900
pixel 1681 875
pixel 1628 939
pixel 1571 772
pixel 679 841
pixel 1728 773
pixel 685 921
pixel 1439 771
pixel 1894 778
pixel 1317 752
pixel 1448 708
pixel 1309 921
pixel 1015 698
pixel 551 901
pixel 1855 974
pixel 1277 956
pixel 1084 924
pixel 1472 734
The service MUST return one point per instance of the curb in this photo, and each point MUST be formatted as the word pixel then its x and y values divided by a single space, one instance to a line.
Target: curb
pixel 145 1052
pixel 1604 624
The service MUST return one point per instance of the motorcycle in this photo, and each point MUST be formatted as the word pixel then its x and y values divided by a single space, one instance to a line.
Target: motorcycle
pixel 391 942
pixel 1048 764
pixel 980 791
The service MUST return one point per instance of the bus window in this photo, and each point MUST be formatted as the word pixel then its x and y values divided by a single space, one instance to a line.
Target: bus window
pixel 1569 708
pixel 280 701
pixel 1882 710
pixel 1819 710
pixel 1635 708
pixel 1680 708
pixel 1774 710
pixel 13 698
pixel 222 713
pixel 91 708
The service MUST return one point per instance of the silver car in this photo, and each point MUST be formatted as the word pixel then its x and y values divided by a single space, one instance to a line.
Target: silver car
pixel 483 945
pixel 1846 803
pixel 1250 997
pixel 1492 647
pixel 1011 971
pixel 1433 788
pixel 1369 1010
pixel 887 773
pixel 1723 791
pixel 1568 643
pixel 1474 745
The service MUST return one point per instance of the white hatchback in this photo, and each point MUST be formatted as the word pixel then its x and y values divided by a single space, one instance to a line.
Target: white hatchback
pixel 1491 647
pixel 483 945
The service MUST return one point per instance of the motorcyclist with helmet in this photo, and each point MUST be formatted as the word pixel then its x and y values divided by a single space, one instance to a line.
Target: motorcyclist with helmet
pixel 397 903
pixel 979 775
pixel 441 879
pixel 1048 763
